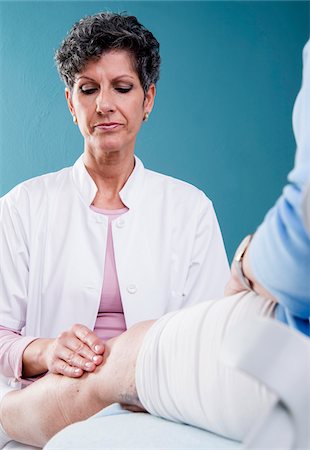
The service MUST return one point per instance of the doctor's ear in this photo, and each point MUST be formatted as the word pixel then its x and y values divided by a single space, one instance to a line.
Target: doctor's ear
pixel 149 98
pixel 69 100
pixel 70 104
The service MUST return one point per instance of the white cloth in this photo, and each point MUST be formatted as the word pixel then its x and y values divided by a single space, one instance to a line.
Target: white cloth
pixel 180 375
pixel 13 445
pixel 113 428
pixel 168 249
pixel 4 438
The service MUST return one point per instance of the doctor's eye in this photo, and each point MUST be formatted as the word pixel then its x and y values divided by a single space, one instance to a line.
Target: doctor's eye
pixel 123 89
pixel 88 89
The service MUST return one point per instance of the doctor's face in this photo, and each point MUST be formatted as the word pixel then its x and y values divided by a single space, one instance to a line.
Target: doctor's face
pixel 109 103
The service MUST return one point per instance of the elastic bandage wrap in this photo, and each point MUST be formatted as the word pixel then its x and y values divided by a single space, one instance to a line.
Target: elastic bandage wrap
pixel 180 375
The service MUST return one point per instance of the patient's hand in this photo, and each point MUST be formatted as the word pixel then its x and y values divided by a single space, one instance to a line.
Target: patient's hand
pixel 234 285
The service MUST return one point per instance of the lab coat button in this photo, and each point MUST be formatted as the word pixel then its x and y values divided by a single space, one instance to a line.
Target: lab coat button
pixel 120 223
pixel 131 288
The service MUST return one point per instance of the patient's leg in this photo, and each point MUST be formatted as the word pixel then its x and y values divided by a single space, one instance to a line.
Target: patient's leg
pixel 176 371
pixel 181 376
pixel 34 414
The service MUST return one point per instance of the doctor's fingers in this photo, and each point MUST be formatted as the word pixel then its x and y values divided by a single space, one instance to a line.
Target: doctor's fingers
pixel 61 367
pixel 65 360
pixel 89 338
pixel 71 349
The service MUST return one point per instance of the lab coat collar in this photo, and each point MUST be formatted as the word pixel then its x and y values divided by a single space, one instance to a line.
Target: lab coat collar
pixel 87 188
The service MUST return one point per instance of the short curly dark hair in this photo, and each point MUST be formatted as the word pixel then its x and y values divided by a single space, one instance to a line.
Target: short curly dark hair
pixel 93 35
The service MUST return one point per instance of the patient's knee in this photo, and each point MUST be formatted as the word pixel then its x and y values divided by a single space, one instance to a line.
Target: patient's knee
pixel 118 368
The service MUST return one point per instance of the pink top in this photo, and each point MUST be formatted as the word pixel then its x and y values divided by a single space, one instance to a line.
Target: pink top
pixel 110 319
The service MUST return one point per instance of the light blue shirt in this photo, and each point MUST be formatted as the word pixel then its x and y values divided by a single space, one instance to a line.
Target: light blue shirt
pixel 280 250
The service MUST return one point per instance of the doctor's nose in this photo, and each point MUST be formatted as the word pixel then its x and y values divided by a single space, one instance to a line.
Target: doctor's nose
pixel 104 104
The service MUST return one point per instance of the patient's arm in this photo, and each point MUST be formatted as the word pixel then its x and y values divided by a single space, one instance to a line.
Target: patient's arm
pixel 34 414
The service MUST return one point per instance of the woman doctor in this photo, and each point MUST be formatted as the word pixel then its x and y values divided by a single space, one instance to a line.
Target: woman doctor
pixel 105 243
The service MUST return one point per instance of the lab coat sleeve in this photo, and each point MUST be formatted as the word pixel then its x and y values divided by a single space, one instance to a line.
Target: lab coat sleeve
pixel 279 253
pixel 14 261
pixel 208 271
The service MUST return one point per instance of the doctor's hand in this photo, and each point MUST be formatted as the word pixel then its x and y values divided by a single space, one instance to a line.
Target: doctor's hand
pixel 74 352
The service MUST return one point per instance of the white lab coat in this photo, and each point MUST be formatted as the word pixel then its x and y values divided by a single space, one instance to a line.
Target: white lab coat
pixel 168 250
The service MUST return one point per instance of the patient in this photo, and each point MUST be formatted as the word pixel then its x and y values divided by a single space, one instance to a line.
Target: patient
pixel 174 367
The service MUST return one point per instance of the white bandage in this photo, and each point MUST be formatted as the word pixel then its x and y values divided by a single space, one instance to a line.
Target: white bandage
pixel 180 374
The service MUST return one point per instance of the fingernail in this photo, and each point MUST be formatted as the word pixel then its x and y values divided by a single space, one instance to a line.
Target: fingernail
pixel 96 358
pixel 88 365
pixel 77 370
pixel 98 348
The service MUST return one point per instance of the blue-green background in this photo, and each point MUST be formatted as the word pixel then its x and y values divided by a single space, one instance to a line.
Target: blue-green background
pixel 222 119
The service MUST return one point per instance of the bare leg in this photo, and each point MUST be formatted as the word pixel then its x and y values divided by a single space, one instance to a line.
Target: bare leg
pixel 34 414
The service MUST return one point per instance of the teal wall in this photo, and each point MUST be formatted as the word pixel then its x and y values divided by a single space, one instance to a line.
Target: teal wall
pixel 222 121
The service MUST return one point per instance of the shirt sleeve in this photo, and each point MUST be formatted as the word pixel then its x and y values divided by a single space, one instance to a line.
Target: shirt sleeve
pixel 12 346
pixel 306 207
pixel 280 249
